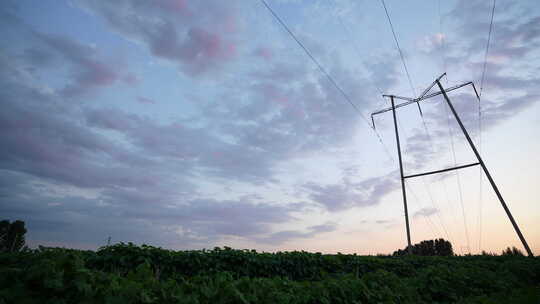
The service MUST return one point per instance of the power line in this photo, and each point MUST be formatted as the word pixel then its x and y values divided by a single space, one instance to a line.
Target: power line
pixel 432 227
pixel 433 203
pixel 480 125
pixel 412 88
pixel 487 48
pixel 414 92
pixel 442 37
pixel 330 78
pixel 479 220
pixel 411 84
pixel 428 190
pixel 443 43
pixel 444 51
pixel 432 146
pixel 314 60
pixel 356 48
pixel 399 48
pixel 458 179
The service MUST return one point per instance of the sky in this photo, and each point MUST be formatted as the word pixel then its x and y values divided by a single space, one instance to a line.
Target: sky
pixel 194 124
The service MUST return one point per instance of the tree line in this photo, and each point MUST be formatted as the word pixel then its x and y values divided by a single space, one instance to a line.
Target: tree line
pixel 12 239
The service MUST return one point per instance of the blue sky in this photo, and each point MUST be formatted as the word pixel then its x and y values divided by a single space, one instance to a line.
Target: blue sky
pixel 194 124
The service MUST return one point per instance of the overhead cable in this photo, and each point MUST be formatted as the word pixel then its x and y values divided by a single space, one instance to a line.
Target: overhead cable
pixel 399 48
pixel 323 70
pixel 480 124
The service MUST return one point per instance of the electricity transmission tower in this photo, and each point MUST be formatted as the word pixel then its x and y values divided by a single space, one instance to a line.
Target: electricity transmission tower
pixel 424 96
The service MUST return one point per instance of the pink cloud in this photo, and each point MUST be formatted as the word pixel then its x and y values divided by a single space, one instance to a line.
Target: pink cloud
pixel 96 74
pixel 103 118
pixel 264 52
pixel 202 43
pixel 272 93
pixel 88 70
pixel 203 50
pixel 176 6
pixel 131 79
pixel 198 35
pixel 91 74
pixel 200 51
pixel 230 24
pixel 164 42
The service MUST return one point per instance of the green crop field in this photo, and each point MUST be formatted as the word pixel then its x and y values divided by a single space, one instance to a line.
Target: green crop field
pixel 125 273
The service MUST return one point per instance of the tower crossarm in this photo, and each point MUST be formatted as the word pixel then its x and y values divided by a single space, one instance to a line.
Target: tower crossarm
pixel 423 96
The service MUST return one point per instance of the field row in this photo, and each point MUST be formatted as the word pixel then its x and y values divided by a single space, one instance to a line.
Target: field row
pixel 125 273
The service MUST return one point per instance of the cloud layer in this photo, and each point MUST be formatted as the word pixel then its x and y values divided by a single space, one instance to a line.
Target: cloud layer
pixel 97 144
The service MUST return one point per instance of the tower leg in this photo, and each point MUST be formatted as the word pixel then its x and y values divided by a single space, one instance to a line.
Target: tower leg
pixel 508 213
pixel 409 247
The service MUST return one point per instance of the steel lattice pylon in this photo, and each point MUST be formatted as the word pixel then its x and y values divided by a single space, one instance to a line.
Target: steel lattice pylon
pixel 423 96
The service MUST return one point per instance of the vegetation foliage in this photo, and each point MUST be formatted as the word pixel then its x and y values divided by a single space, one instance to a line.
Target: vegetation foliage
pixel 126 273
pixel 512 252
pixel 439 247
pixel 12 236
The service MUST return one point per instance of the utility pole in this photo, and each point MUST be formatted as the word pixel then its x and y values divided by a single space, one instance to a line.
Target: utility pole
pixel 409 247
pixel 480 162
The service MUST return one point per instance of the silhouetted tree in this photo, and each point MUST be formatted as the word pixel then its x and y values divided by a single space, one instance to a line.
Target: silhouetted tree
pixel 438 247
pixel 12 236
pixel 512 252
